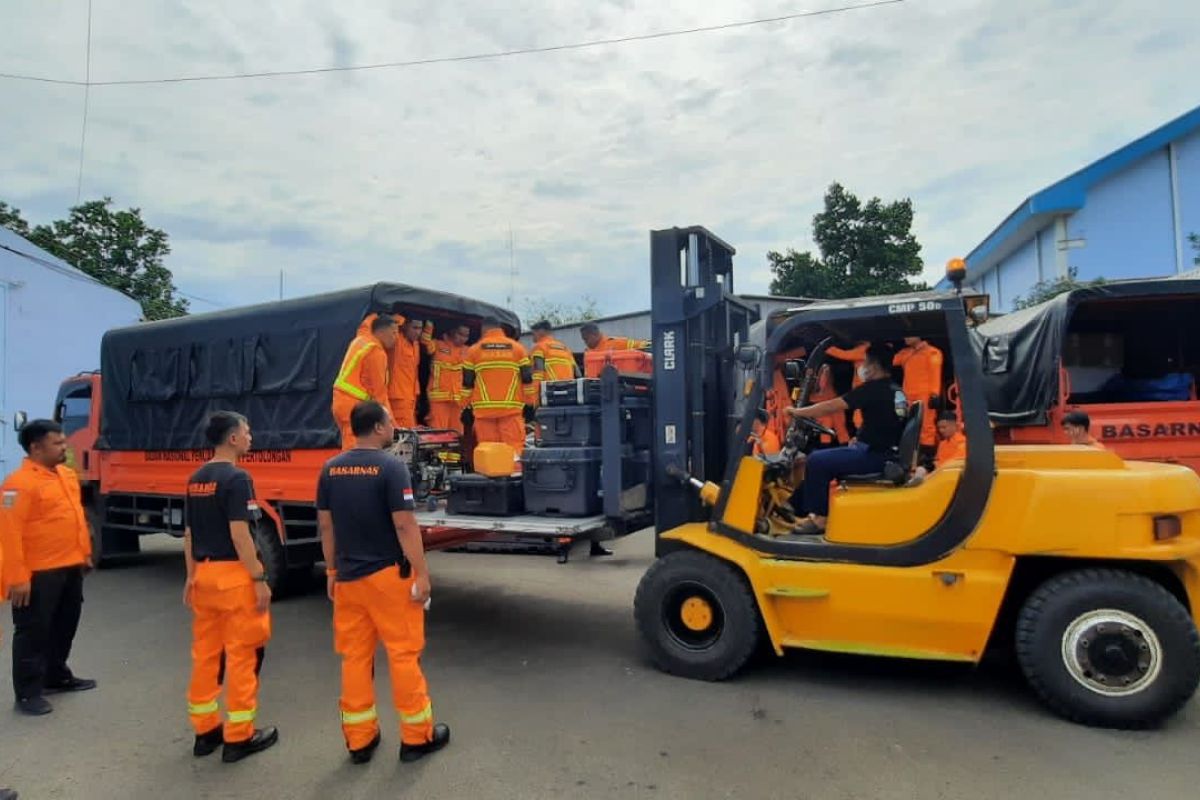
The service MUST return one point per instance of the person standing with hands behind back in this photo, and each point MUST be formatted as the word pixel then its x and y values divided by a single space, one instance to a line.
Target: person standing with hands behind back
pixel 379 584
pixel 227 591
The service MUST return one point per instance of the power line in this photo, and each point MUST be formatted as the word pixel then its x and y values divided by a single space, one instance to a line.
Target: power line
pixel 473 57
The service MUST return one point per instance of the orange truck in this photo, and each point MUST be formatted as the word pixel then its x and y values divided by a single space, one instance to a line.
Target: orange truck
pixel 1126 352
pixel 136 427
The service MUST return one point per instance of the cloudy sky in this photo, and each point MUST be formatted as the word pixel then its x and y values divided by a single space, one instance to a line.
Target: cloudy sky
pixel 417 174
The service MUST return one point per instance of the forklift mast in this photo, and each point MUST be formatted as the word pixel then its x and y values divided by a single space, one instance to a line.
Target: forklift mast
pixel 697 325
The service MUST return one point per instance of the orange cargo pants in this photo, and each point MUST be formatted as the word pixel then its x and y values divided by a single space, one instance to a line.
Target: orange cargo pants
pixel 229 635
pixel 445 415
pixel 509 429
pixel 366 611
pixel 404 411
pixel 343 404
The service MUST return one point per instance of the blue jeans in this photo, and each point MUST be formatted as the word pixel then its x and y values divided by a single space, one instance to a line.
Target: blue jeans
pixel 836 462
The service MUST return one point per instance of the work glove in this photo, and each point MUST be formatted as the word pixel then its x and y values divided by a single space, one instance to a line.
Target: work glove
pixel 468 416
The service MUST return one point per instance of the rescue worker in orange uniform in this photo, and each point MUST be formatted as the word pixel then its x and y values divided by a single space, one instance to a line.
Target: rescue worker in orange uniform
pixel 1078 427
pixel 922 363
pixel 952 445
pixel 404 382
pixel 595 340
pixel 445 387
pixel 837 420
pixel 766 442
pixel 227 591
pixel 378 581
pixel 552 360
pixel 855 355
pixel 498 374
pixel 364 372
pixel 48 549
pixel 5 533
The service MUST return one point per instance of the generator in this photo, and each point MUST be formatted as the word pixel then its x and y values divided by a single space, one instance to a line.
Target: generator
pixel 433 456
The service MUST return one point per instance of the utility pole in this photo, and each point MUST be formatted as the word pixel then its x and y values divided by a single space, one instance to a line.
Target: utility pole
pixel 281 285
pixel 512 269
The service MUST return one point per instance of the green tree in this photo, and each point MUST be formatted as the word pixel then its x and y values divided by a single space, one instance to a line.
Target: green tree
pixel 1042 291
pixel 1194 238
pixel 10 217
pixel 115 247
pixel 866 249
pixel 557 314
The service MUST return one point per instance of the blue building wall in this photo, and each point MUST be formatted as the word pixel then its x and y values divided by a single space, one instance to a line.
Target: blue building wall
pixel 1127 215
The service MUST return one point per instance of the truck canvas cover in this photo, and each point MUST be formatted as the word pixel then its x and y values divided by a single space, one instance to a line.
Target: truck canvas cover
pixel 1021 352
pixel 275 363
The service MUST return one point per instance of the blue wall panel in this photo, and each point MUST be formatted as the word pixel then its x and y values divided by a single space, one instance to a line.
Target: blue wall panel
pixel 1187 156
pixel 1017 274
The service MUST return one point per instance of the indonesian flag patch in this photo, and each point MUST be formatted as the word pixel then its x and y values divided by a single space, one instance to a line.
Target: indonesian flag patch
pixel 408 496
pixel 10 498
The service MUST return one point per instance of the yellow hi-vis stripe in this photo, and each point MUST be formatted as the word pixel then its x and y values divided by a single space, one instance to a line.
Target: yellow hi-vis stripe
pixel 424 715
pixel 343 383
pixel 242 716
pixel 359 717
pixel 197 709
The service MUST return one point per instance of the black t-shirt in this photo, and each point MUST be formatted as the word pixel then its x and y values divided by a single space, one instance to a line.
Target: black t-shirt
pixel 361 489
pixel 883 411
pixel 217 494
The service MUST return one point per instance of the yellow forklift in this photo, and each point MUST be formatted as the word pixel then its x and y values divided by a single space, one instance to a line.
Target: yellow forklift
pixel 1087 565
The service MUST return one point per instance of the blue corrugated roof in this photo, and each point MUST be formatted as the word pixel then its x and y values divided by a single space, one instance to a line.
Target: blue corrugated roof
pixel 1069 195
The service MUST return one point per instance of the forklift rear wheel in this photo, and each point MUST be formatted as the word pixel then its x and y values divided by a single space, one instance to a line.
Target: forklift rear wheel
pixel 1108 648
pixel 697 616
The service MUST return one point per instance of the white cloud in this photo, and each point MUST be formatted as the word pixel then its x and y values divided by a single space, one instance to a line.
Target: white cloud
pixel 416 174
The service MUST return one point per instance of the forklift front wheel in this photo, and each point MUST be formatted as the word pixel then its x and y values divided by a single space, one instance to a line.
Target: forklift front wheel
pixel 697 616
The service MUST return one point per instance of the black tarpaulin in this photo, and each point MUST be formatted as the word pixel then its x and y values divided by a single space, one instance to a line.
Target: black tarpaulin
pixel 1020 352
pixel 275 363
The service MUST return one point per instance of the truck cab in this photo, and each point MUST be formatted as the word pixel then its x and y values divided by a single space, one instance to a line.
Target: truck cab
pixel 77 409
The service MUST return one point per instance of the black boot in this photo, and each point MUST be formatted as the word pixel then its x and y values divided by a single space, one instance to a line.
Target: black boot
pixel 207 743
pixel 261 740
pixel 71 684
pixel 364 754
pixel 8 794
pixel 414 752
pixel 34 706
pixel 599 550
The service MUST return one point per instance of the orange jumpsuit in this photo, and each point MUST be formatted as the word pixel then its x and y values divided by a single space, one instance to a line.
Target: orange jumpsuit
pixel 500 375
pixel 950 449
pixel 552 361
pixel 922 381
pixel 445 387
pixel 363 376
pixel 229 633
pixel 856 356
pixel 404 382
pixel 836 420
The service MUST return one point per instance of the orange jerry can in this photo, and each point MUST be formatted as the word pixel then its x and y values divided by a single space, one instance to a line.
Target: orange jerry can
pixel 635 361
pixel 495 460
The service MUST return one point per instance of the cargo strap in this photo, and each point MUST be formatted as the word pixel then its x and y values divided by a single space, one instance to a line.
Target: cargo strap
pixel 343 384
pixel 359 717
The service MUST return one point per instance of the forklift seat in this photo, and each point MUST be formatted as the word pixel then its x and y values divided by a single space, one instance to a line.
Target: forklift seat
pixel 902 461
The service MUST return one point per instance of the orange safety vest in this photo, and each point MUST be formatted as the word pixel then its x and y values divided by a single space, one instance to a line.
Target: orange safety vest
pixel 445 373
pixel 553 361
pixel 363 375
pixel 497 363
pixel 620 343
pixel 44 525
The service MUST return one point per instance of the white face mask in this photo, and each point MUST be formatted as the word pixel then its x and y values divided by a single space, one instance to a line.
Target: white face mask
pixel 862 372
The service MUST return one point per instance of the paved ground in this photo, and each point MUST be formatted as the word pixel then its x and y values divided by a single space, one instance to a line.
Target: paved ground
pixel 537 669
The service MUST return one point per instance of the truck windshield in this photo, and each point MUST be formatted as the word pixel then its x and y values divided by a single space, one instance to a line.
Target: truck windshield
pixel 74 408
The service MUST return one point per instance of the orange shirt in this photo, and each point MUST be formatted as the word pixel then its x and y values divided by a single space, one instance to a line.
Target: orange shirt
pixel 620 343
pixel 950 449
pixel 500 366
pixel 922 373
pixel 44 525
pixel 363 375
pixel 445 373
pixel 767 443
pixel 404 382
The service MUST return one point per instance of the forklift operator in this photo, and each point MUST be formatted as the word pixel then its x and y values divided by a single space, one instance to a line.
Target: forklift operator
pixel 882 405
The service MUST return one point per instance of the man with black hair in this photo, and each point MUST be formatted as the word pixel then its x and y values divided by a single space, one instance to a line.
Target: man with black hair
pixel 227 591
pixel 498 374
pixel 364 371
pixel 47 550
pixel 552 360
pixel 883 407
pixel 379 584
pixel 595 339
pixel 1078 427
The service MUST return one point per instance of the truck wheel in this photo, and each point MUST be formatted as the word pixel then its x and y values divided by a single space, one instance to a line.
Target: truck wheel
pixel 1108 648
pixel 273 557
pixel 697 616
